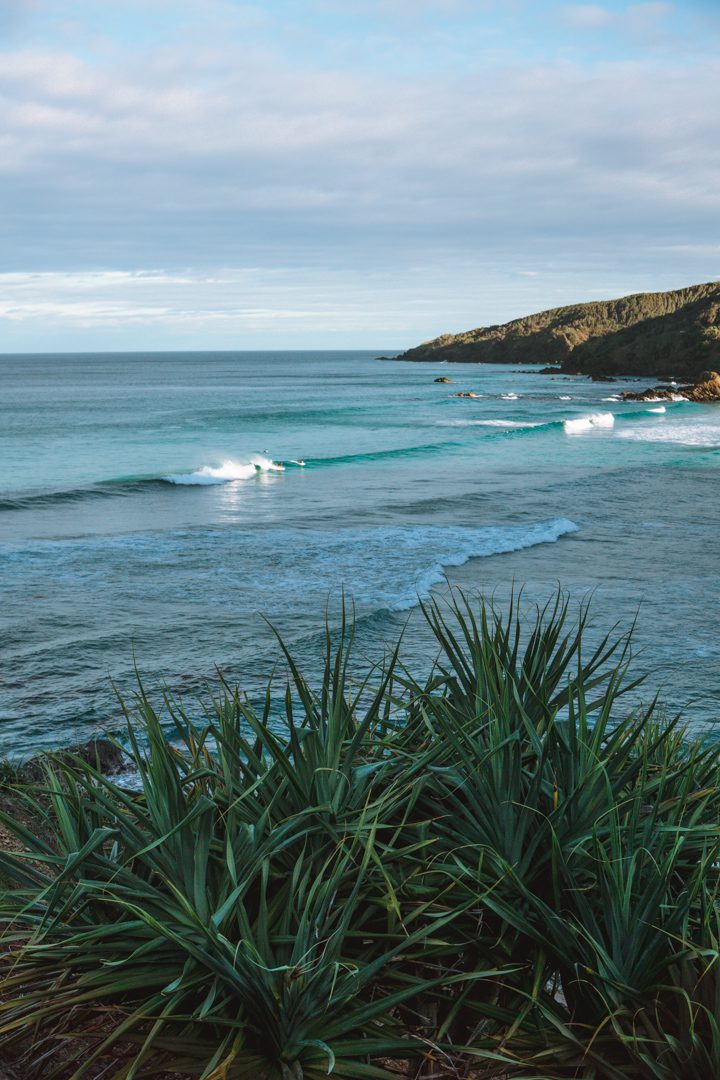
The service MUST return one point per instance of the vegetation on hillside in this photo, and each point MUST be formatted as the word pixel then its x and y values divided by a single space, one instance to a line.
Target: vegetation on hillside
pixel 674 334
pixel 501 870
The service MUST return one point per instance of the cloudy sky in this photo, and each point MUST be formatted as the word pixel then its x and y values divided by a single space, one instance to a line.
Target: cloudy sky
pixel 346 173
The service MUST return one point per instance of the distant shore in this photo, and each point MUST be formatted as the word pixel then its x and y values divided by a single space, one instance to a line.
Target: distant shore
pixel 669 335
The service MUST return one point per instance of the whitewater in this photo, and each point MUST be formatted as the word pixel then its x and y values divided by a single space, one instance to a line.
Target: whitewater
pixel 166 525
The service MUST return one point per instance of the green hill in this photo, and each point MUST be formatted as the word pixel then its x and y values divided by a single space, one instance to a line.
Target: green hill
pixel 675 334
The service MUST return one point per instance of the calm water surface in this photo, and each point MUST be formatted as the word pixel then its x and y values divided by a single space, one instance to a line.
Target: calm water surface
pixel 143 514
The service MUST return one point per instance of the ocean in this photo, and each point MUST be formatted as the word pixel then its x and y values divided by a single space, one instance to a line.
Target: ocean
pixel 167 510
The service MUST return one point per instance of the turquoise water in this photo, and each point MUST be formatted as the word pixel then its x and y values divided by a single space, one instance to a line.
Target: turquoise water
pixel 143 515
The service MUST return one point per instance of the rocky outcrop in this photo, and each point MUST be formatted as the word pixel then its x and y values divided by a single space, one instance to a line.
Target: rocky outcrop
pixel 656 393
pixel 668 334
pixel 707 389
pixel 467 393
pixel 99 752
pixel 443 378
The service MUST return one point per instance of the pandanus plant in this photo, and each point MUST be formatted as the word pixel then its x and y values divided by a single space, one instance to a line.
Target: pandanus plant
pixel 501 869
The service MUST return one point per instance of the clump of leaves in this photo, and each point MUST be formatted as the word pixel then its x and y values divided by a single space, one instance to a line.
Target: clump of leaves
pixel 502 870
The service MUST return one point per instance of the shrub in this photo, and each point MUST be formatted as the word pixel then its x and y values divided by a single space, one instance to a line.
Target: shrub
pixel 501 870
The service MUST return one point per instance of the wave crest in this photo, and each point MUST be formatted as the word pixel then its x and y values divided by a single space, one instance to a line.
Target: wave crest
pixel 227 472
pixel 588 423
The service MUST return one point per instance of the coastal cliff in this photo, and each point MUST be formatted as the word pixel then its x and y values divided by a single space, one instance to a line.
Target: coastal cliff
pixel 665 334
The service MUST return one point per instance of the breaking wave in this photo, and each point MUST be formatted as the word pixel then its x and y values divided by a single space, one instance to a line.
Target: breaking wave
pixel 227 472
pixel 588 423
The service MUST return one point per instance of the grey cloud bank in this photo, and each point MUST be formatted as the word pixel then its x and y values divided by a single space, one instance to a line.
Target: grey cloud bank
pixel 229 196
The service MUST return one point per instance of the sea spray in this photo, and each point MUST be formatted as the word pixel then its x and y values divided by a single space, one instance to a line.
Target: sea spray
pixel 227 472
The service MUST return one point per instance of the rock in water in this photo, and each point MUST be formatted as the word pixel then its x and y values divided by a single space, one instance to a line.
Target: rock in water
pixel 707 389
pixel 101 753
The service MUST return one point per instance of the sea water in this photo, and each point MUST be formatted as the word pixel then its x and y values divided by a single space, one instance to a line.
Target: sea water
pixel 168 510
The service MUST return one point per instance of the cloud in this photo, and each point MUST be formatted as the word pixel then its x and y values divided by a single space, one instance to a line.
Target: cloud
pixel 588 16
pixel 650 10
pixel 303 193
pixel 271 153
pixel 634 18
pixel 253 297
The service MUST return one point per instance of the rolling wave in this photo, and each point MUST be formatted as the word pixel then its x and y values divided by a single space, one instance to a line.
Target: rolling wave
pixel 231 471
pixel 111 489
pixel 382 455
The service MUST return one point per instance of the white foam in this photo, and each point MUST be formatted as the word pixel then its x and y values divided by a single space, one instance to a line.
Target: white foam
pixel 660 409
pixel 382 567
pixel 489 423
pixel 702 435
pixel 481 543
pixel 615 398
pixel 673 397
pixel 227 472
pixel 509 397
pixel 588 423
pixel 564 397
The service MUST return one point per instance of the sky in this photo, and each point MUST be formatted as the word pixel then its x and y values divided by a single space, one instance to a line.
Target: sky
pixel 212 174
